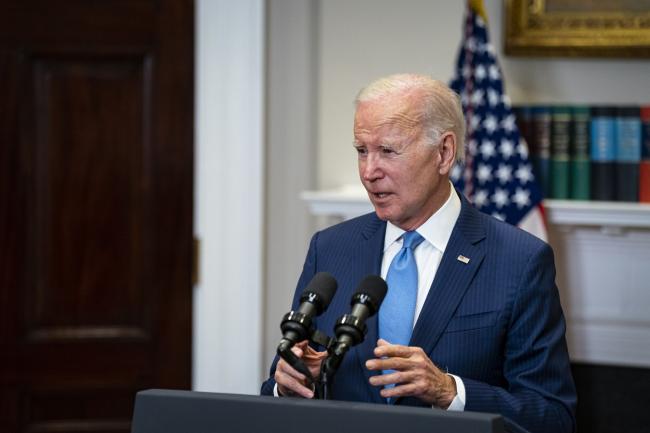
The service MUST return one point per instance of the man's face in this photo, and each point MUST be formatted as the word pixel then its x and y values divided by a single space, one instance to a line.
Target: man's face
pixel 406 178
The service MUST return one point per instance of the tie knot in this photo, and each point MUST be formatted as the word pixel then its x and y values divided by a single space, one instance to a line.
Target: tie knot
pixel 411 240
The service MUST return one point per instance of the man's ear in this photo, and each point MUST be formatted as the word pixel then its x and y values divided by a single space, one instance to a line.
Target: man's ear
pixel 447 152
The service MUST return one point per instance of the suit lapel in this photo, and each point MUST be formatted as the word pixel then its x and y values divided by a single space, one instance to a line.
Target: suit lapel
pixel 452 279
pixel 368 256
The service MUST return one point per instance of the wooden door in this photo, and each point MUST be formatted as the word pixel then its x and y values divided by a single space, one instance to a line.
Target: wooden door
pixel 96 174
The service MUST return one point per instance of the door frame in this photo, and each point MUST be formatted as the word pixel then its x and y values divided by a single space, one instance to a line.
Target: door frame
pixel 229 195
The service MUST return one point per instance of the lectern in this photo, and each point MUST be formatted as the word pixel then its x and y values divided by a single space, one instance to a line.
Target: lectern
pixel 166 411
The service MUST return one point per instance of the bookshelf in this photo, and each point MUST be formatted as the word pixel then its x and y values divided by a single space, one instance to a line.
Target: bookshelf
pixel 602 252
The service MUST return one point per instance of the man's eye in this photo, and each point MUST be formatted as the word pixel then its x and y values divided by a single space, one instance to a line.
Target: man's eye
pixel 361 150
pixel 387 150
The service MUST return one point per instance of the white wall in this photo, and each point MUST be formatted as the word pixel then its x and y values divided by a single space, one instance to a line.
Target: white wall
pixel 361 40
pixel 290 153
pixel 229 195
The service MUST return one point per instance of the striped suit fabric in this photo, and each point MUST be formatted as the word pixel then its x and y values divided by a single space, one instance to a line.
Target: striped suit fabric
pixel 495 321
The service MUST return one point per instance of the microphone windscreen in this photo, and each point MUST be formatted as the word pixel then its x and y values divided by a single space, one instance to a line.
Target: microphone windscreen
pixel 324 285
pixel 374 287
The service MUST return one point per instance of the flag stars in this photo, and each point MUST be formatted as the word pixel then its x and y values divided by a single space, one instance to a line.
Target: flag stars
pixel 507 148
pixel 468 173
pixel 480 73
pixel 499 174
pixel 470 44
pixel 472 145
pixel 524 173
pixel 494 72
pixel 521 197
pixel 509 123
pixel 480 198
pixel 474 122
pixel 522 149
pixel 464 98
pixel 490 123
pixel 493 97
pixel 487 149
pixel 504 173
pixel 467 71
pixel 483 173
pixel 477 97
pixel 456 171
pixel 500 198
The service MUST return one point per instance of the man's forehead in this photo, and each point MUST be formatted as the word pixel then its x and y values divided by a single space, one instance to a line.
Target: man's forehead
pixel 401 109
pixel 371 117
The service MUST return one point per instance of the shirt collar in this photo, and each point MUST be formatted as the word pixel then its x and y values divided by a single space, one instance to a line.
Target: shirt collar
pixel 437 229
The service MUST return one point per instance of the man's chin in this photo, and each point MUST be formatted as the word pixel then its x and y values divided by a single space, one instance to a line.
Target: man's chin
pixel 382 213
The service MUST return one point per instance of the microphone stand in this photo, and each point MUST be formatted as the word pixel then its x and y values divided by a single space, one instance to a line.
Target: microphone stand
pixel 322 386
pixel 328 369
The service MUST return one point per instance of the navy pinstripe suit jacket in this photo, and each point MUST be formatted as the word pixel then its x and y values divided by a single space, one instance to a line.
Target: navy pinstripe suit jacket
pixel 495 321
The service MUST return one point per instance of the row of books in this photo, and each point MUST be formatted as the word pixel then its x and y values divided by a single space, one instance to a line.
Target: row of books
pixel 589 152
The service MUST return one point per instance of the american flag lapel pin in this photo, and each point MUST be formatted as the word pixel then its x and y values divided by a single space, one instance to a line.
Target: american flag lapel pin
pixel 463 259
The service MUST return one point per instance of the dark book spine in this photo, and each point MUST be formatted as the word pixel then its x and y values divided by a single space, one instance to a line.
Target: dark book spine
pixel 603 153
pixel 541 147
pixel 644 166
pixel 579 172
pixel 560 142
pixel 628 153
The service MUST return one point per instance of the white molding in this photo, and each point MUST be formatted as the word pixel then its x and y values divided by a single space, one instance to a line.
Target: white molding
pixel 595 213
pixel 229 195
pixel 350 201
pixel 346 202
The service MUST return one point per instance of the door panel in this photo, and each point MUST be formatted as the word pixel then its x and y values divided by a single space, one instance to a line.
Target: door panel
pixel 89 201
pixel 96 151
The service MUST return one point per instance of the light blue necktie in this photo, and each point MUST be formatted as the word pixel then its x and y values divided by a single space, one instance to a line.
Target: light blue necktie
pixel 398 309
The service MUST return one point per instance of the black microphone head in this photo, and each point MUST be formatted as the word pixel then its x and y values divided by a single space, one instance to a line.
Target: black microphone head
pixel 320 291
pixel 371 291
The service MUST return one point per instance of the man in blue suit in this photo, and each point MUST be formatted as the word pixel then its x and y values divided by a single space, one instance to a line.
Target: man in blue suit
pixel 485 329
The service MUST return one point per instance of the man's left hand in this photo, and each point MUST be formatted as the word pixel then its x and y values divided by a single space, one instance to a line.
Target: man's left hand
pixel 414 376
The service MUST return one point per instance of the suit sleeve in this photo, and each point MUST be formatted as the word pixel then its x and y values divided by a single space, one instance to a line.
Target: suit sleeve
pixel 308 272
pixel 540 394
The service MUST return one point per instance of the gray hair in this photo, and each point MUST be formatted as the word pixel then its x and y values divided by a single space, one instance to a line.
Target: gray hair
pixel 440 105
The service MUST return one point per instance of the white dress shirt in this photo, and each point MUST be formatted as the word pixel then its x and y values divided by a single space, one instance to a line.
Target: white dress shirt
pixel 436 232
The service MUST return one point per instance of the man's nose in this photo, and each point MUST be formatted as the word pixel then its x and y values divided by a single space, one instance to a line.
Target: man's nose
pixel 371 167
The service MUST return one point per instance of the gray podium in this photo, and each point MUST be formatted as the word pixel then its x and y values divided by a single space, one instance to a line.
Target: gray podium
pixel 166 411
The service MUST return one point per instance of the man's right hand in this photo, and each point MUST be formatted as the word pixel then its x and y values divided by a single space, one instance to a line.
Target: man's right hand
pixel 292 383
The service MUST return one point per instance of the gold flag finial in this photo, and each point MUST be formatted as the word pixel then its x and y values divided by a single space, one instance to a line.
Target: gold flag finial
pixel 477 6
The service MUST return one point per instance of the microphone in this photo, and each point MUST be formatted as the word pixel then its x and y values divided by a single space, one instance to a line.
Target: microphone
pixel 297 325
pixel 351 328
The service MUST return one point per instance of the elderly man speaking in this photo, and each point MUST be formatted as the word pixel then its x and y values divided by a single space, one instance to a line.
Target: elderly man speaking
pixel 472 319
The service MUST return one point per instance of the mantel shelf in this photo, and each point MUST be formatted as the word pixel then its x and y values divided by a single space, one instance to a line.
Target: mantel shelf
pixel 349 202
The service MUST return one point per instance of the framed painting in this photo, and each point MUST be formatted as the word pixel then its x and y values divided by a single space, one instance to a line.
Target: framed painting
pixel 571 28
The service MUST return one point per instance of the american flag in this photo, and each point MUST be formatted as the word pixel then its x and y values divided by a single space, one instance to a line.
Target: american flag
pixel 497 174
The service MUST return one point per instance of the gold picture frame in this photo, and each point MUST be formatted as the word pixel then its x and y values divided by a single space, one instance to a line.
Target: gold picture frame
pixel 577 28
